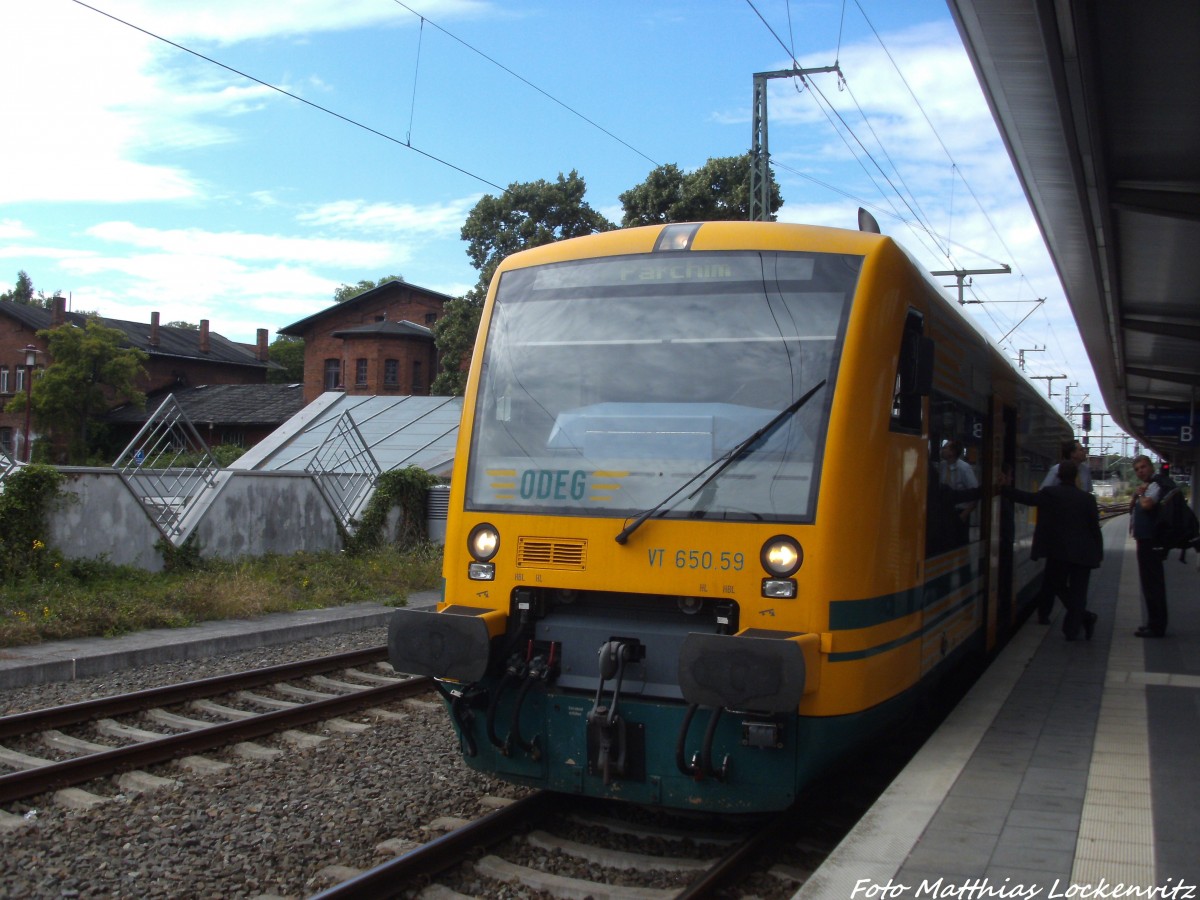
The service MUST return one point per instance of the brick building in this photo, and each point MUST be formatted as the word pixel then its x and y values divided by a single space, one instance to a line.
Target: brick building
pixel 380 342
pixel 177 357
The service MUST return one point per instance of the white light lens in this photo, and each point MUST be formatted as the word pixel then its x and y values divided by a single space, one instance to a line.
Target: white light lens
pixel 779 589
pixel 781 557
pixel 478 571
pixel 483 542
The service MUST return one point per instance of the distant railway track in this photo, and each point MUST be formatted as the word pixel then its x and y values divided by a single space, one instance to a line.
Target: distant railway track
pixel 219 725
pixel 1111 510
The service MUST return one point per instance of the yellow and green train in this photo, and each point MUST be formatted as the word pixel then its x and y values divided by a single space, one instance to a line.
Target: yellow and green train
pixel 707 532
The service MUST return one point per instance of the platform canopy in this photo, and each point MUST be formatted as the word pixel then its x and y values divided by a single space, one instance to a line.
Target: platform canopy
pixel 1097 103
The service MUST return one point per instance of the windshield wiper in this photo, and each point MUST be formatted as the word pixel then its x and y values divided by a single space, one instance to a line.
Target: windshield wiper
pixel 721 463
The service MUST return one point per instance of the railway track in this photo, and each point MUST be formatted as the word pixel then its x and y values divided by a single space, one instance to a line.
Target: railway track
pixel 542 842
pixel 1111 510
pixel 568 846
pixel 187 721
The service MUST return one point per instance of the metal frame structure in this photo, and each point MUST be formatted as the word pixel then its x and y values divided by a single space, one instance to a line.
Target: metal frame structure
pixel 344 470
pixel 158 468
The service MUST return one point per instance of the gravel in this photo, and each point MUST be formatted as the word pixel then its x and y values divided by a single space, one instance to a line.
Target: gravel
pixel 272 829
pixel 257 828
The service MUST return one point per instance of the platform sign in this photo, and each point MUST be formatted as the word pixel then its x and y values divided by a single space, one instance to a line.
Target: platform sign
pixel 1176 423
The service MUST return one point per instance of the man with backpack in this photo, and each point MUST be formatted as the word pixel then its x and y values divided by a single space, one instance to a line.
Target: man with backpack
pixel 1144 510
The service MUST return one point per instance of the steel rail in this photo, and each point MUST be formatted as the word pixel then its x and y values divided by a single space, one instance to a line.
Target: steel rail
pixel 393 876
pixel 29 782
pixel 103 707
pixel 719 873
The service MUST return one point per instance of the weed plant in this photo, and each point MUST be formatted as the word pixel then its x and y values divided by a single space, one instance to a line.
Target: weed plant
pixel 90 598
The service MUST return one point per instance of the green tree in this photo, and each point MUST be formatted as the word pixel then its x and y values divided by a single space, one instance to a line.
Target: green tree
pixel 91 370
pixel 179 323
pixel 454 337
pixel 717 191
pixel 528 214
pixel 289 353
pixel 349 291
pixel 23 292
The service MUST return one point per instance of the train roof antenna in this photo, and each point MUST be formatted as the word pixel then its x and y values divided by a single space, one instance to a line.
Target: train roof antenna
pixel 867 222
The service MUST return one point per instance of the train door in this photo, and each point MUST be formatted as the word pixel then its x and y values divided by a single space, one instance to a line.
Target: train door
pixel 1003 447
pixel 1008 463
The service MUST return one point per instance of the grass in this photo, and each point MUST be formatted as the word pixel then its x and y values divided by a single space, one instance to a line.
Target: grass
pixel 89 598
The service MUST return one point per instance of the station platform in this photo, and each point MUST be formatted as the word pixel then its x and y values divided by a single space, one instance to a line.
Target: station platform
pixel 53 661
pixel 1070 770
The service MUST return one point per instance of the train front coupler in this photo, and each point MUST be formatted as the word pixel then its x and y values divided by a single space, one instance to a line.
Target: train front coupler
pixel 607 739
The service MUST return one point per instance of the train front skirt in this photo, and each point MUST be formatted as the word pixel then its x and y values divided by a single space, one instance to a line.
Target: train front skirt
pixel 654 753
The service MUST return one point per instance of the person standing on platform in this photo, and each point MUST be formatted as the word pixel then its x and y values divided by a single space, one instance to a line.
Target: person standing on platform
pixel 1143 518
pixel 1067 536
pixel 1077 453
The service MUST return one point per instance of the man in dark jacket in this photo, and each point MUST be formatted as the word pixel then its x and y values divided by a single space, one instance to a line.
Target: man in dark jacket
pixel 1068 537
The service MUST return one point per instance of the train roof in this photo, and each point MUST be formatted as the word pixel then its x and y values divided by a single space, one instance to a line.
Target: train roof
pixel 707 236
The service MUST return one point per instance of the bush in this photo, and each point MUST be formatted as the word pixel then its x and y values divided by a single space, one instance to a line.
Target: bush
pixel 407 489
pixel 24 509
pixel 93 598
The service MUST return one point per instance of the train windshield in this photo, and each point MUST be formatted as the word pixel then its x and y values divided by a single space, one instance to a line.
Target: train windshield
pixel 607 384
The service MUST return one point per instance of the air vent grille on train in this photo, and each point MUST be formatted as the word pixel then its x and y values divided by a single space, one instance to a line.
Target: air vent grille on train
pixel 551 553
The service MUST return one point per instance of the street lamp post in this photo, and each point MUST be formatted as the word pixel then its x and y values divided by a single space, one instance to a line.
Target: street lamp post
pixel 31 354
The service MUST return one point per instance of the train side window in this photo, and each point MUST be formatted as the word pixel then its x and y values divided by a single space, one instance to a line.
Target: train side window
pixel 914 376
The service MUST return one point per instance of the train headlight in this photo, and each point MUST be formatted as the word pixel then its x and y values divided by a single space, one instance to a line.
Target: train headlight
pixel 781 556
pixel 483 542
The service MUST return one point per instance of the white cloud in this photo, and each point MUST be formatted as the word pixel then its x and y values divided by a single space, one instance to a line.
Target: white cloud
pixel 232 21
pixel 179 287
pixel 90 112
pixel 11 229
pixel 429 221
pixel 223 246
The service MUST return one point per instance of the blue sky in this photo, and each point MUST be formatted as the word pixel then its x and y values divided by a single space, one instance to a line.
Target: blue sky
pixel 140 177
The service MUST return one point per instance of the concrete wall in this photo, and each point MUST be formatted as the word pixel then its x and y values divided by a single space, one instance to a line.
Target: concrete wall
pixel 98 516
pixel 256 513
pixel 246 514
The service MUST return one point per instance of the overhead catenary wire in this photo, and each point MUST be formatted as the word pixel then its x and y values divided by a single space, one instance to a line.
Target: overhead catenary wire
pixel 526 81
pixel 875 207
pixel 407 141
pixel 289 94
pixel 887 156
pixel 412 108
pixel 827 109
pixel 916 100
pixel 956 174
pixel 954 165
